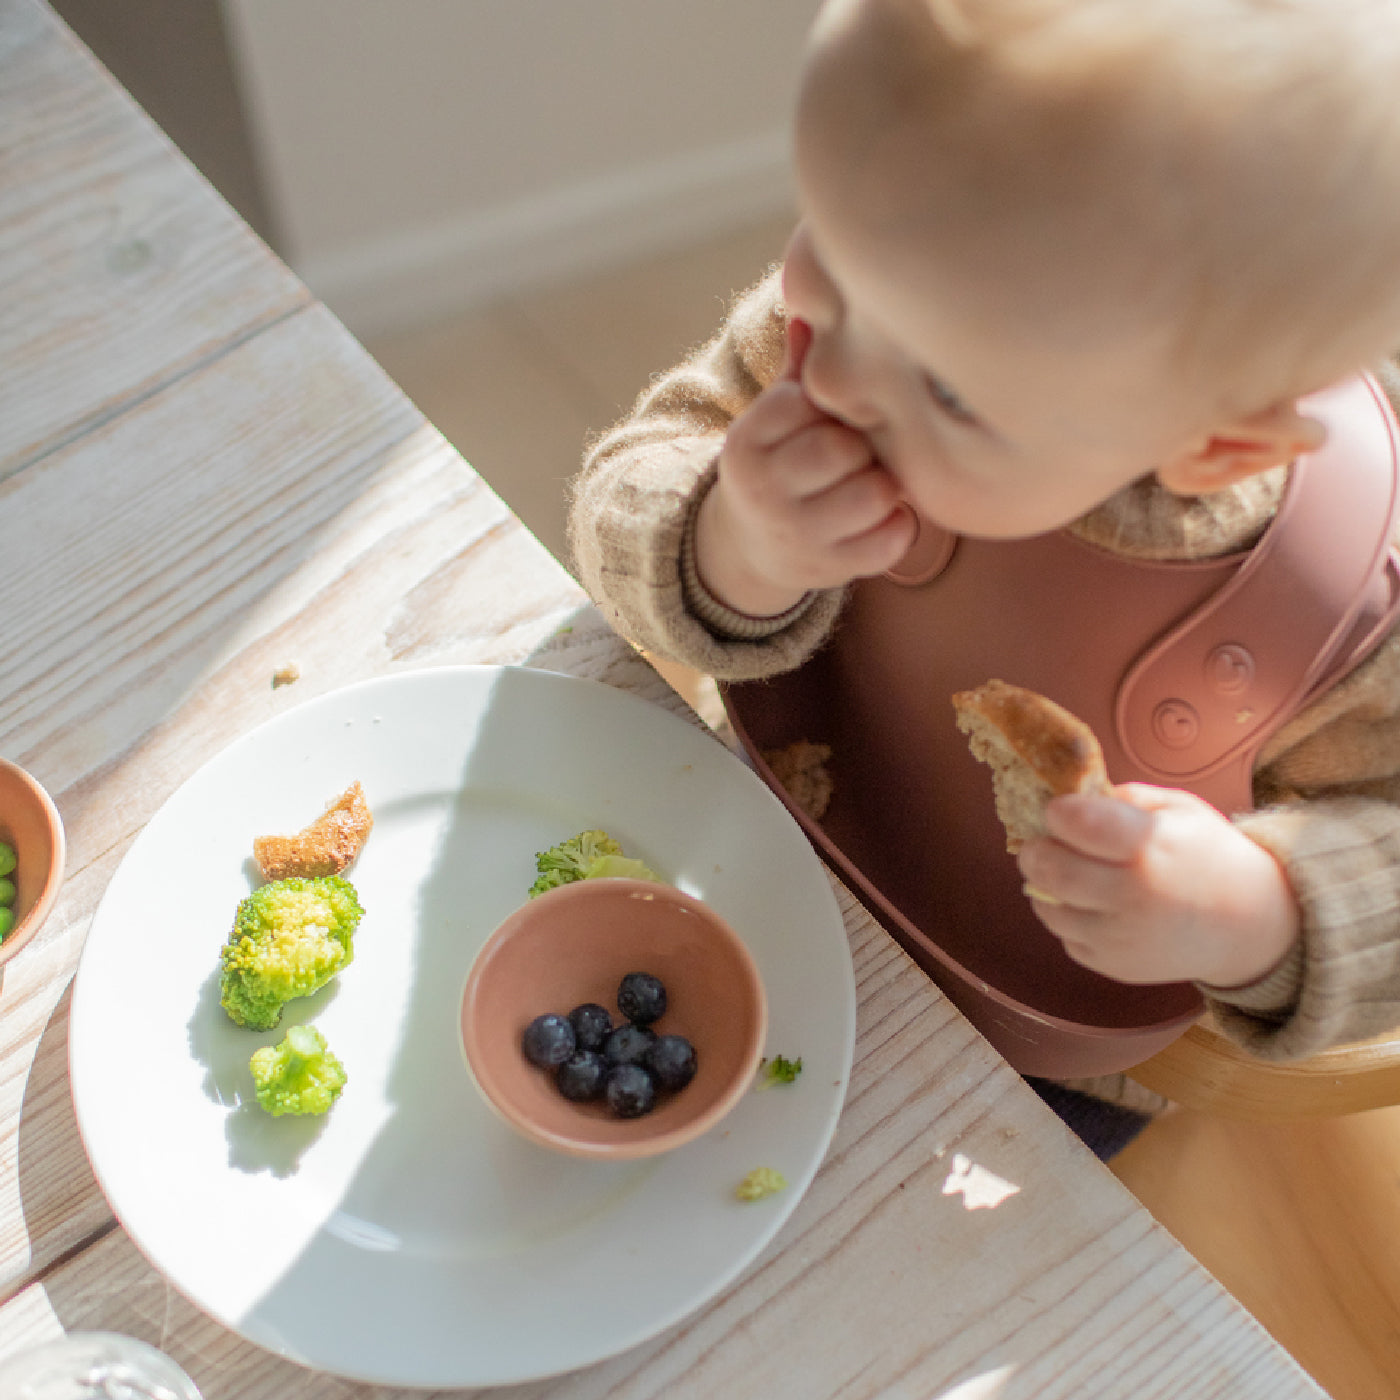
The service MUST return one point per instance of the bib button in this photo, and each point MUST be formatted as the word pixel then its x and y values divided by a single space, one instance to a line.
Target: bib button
pixel 1175 724
pixel 1229 669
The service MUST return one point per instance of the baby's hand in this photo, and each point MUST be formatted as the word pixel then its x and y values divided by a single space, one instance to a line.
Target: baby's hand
pixel 800 503
pixel 1155 885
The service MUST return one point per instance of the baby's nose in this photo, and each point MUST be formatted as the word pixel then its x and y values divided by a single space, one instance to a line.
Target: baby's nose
pixel 807 290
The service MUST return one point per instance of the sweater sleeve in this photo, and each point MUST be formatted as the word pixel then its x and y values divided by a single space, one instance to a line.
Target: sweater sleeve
pixel 633 504
pixel 1329 786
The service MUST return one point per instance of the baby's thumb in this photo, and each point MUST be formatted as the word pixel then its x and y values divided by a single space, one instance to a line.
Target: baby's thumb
pixel 799 337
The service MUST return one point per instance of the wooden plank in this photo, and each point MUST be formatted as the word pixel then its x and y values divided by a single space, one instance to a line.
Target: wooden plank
pixel 119 267
pixel 287 475
pixel 49 1201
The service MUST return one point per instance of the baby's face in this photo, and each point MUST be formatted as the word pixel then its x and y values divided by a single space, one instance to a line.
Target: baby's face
pixel 1004 397
pixel 992 426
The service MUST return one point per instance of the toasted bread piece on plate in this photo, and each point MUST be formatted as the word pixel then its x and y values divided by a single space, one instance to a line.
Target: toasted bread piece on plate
pixel 1036 750
pixel 327 847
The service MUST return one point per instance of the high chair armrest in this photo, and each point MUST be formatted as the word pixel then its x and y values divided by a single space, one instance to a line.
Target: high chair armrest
pixel 1205 1071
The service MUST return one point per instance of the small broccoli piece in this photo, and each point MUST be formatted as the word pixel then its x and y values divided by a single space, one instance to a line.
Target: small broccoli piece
pixel 620 868
pixel 290 937
pixel 301 1075
pixel 587 856
pixel 780 1070
pixel 570 860
pixel 761 1182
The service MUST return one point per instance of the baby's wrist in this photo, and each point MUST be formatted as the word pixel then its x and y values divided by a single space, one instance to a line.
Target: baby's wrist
pixel 1273 931
pixel 1272 994
pixel 715 615
pixel 725 575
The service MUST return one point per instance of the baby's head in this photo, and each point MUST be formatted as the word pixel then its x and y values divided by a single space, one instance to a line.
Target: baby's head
pixel 1118 235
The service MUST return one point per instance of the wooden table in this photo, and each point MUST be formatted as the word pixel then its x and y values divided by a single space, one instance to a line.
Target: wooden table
pixel 202 477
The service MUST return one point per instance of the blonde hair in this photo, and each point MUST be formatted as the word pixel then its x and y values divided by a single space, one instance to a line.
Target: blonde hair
pixel 1232 167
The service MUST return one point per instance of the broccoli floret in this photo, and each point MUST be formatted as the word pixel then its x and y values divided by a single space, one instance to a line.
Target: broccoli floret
pixel 587 856
pixel 290 937
pixel 569 860
pixel 780 1070
pixel 301 1075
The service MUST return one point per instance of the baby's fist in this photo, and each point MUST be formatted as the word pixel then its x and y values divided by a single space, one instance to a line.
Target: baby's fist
pixel 1155 885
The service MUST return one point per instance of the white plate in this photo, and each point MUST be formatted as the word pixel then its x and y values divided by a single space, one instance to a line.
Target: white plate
pixel 409 1237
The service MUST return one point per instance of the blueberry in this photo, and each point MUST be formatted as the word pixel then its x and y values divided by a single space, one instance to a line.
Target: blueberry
pixel 671 1061
pixel 591 1024
pixel 580 1077
pixel 628 1045
pixel 629 1091
pixel 548 1041
pixel 641 998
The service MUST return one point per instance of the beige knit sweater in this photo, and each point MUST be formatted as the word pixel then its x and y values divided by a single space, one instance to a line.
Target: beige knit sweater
pixel 1327 787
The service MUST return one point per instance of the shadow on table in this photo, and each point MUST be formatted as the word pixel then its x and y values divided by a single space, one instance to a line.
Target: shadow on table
pixel 61 1202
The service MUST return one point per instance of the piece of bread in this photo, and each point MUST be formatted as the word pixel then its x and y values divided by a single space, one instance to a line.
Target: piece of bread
pixel 802 770
pixel 1036 750
pixel 327 847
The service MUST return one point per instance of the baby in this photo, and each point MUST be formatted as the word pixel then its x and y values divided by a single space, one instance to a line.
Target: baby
pixel 1062 263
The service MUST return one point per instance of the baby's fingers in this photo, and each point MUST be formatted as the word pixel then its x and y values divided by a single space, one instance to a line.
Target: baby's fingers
pixel 779 411
pixel 1095 941
pixel 1103 828
pixel 874 548
pixel 1060 877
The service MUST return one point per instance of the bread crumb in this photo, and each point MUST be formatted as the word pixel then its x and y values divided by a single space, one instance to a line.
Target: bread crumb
pixel 801 769
pixel 327 847
pixel 286 675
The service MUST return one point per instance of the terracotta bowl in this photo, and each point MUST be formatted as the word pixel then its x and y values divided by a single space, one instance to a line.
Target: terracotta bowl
pixel 30 823
pixel 574 945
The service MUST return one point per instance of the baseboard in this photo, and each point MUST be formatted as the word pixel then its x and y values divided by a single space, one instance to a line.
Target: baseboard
pixel 429 272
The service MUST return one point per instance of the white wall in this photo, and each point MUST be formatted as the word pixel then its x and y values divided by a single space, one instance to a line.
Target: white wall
pixel 423 155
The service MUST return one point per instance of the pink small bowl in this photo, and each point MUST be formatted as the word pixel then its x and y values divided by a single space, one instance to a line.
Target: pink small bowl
pixel 30 823
pixel 575 944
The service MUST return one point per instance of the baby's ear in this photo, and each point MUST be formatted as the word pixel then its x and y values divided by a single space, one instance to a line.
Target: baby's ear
pixel 1241 448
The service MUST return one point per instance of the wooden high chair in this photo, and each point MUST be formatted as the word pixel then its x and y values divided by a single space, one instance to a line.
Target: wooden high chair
pixel 1204 1071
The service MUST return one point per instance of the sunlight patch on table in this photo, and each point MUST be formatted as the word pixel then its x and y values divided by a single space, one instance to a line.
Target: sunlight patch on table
pixel 988 1386
pixel 979 1188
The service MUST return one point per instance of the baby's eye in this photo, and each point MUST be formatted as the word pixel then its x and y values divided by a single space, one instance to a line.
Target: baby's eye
pixel 948 401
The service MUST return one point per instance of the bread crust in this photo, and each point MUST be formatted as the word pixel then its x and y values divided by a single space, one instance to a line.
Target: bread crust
pixel 327 847
pixel 1037 750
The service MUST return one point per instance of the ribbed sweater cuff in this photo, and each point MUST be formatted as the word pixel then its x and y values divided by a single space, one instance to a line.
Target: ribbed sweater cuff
pixel 722 620
pixel 1275 994
pixel 1341 856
